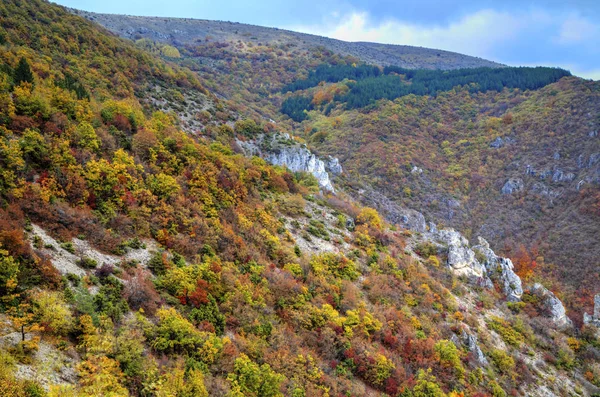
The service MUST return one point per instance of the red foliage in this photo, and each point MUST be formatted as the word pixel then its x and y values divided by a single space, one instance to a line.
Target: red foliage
pixel 122 123
pixel 21 123
pixel 391 386
pixel 198 297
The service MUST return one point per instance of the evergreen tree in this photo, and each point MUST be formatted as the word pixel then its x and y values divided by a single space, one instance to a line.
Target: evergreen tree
pixel 23 72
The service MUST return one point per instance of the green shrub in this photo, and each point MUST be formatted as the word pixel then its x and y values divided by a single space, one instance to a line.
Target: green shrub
pixel 502 360
pixel 68 246
pixel 87 263
pixel 506 331
pixel 426 249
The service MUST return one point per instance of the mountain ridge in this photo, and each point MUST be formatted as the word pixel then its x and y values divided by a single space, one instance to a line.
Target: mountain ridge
pixel 187 30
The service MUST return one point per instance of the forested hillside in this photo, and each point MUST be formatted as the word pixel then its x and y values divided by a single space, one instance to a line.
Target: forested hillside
pixel 433 153
pixel 367 84
pixel 141 254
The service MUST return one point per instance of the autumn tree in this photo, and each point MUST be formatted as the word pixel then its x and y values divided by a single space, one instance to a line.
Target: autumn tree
pixel 524 264
pixel 251 380
pixel 52 312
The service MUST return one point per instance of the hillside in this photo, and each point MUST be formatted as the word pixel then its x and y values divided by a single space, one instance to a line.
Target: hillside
pixel 186 31
pixel 448 156
pixel 144 251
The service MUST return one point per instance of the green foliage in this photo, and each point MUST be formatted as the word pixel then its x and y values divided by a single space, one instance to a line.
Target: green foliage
pixel 251 380
pixel 496 389
pixel 53 312
pixel 209 312
pixel 296 106
pixel 317 229
pixel 506 331
pixel 426 249
pixel 109 300
pixel 448 355
pixel 336 265
pixel 427 385
pixel 333 74
pixel 23 73
pixel 248 128
pixel 502 360
pixel 164 186
pixel 87 263
pixel 368 85
pixel 86 137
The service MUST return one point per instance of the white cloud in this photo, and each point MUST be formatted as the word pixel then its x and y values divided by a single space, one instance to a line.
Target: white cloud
pixel 576 29
pixel 478 33
pixel 475 34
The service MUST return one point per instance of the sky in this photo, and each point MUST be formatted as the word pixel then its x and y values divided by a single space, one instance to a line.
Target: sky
pixel 562 33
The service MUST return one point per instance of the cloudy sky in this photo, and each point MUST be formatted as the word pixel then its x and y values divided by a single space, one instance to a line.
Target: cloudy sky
pixel 562 33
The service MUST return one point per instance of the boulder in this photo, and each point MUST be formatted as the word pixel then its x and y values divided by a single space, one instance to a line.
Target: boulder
pixel 461 258
pixel 594 159
pixel 332 165
pixel 513 185
pixel 594 318
pixel 502 270
pixel 470 342
pixel 560 176
pixel 555 309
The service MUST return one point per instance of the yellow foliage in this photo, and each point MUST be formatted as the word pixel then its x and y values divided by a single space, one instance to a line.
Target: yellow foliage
pixel 370 217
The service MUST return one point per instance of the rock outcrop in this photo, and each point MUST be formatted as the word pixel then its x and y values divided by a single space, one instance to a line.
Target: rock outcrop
pixel 513 185
pixel 501 142
pixel 561 176
pixel 332 165
pixel 461 258
pixel 502 270
pixel 555 311
pixel 393 213
pixel 594 318
pixel 280 149
pixel 301 159
pixel 469 341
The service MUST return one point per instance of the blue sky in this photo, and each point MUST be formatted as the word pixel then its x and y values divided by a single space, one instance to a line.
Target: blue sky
pixel 515 32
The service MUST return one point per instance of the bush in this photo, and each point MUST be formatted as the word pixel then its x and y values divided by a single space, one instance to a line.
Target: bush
pixel 68 246
pixel 337 265
pixel 426 250
pixel 506 331
pixel 87 263
pixel 502 360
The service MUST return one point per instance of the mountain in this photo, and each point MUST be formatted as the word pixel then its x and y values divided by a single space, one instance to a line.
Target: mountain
pixel 448 156
pixel 186 31
pixel 166 231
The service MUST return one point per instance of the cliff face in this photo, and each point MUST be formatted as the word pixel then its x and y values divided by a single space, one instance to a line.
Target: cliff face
pixel 281 150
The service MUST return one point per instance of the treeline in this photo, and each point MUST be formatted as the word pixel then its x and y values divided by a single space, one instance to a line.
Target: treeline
pixel 369 86
pixel 333 74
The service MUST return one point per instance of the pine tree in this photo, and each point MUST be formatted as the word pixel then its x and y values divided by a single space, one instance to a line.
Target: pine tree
pixel 23 72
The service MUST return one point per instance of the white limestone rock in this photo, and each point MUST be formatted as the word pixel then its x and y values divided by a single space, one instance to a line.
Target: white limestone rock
pixel 554 307
pixel 470 341
pixel 594 318
pixel 280 149
pixel 461 258
pixel 501 269
pixel 301 159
